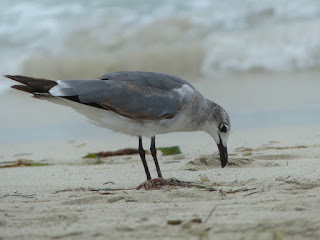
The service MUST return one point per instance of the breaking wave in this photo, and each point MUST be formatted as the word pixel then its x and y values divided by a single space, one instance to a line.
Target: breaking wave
pixel 85 39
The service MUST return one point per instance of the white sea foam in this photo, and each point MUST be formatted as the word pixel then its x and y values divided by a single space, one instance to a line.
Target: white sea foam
pixel 281 48
pixel 67 39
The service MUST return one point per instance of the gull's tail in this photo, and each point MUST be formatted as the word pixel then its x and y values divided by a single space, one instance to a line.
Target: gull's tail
pixel 32 85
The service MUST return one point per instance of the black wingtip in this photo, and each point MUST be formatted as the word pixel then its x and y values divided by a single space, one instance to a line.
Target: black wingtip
pixel 9 76
pixel 17 78
pixel 23 88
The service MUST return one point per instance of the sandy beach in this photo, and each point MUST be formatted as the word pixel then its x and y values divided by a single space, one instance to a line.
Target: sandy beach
pixel 270 190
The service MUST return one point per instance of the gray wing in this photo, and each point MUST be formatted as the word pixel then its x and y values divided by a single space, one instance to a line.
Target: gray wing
pixel 137 95
pixel 161 81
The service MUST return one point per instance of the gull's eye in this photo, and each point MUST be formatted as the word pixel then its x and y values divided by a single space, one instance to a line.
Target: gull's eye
pixel 224 128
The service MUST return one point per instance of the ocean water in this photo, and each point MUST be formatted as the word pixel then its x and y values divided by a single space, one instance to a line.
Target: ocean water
pixel 259 59
pixel 67 39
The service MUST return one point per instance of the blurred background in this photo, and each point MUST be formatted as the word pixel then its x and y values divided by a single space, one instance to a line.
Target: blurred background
pixel 260 60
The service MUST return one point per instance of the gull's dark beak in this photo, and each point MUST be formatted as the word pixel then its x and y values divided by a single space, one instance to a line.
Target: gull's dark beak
pixel 223 153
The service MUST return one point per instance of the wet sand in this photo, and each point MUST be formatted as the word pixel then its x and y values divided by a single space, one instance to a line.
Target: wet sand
pixel 270 190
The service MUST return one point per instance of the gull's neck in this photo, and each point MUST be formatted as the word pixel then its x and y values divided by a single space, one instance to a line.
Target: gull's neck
pixel 201 110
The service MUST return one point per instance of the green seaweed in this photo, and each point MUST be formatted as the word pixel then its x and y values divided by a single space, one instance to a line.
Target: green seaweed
pixel 37 164
pixel 166 151
pixel 91 155
pixel 22 163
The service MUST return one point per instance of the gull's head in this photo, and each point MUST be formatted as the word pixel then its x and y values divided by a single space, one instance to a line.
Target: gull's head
pixel 218 126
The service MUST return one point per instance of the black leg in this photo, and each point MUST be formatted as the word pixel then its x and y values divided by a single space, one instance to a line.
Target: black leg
pixel 143 158
pixel 154 155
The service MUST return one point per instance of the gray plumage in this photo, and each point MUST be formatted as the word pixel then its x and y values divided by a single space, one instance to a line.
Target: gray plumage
pixel 137 95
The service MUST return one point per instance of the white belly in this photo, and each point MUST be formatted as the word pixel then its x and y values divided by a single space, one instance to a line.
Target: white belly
pixel 115 122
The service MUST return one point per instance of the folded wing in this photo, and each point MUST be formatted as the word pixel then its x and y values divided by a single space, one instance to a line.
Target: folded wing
pixel 137 95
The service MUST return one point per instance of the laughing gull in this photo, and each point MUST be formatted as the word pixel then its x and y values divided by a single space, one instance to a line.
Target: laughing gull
pixel 138 104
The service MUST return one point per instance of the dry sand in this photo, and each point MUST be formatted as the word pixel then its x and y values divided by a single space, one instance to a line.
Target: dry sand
pixel 270 190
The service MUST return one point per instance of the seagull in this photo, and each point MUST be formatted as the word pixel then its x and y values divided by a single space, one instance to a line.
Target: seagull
pixel 139 104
